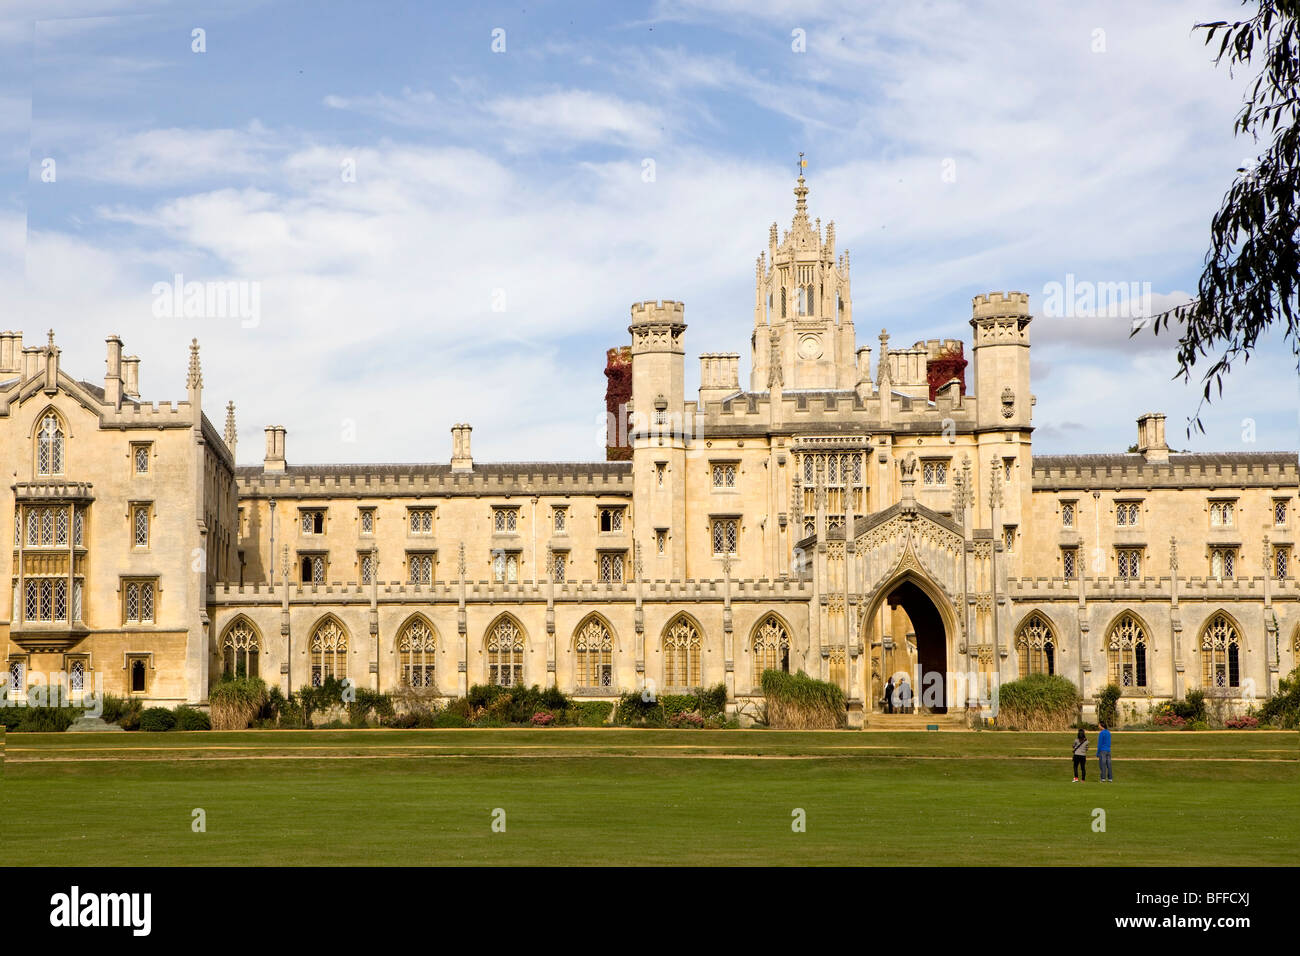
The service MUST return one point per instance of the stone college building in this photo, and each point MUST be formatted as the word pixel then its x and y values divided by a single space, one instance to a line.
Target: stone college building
pixel 849 514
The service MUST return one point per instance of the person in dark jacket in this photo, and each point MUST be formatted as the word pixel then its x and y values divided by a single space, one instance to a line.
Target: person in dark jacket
pixel 889 696
pixel 1080 756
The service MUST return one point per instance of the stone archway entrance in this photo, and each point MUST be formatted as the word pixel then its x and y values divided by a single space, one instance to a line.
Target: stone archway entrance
pixel 909 636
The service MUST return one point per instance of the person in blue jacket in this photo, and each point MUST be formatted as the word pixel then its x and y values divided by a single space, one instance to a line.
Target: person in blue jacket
pixel 1103 753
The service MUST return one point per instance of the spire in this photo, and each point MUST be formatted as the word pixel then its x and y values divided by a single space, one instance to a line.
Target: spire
pixel 801 201
pixel 195 377
pixel 230 427
pixel 883 376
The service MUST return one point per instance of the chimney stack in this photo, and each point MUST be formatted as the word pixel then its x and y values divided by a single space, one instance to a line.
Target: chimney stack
pixel 32 361
pixel 461 459
pixel 113 377
pixel 1151 438
pixel 274 449
pixel 11 353
pixel 131 376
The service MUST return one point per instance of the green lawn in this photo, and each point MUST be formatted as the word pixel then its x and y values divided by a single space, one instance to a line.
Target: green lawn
pixel 645 797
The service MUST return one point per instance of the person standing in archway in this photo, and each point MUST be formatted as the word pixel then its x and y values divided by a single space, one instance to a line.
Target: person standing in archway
pixel 889 695
pixel 904 695
pixel 1081 756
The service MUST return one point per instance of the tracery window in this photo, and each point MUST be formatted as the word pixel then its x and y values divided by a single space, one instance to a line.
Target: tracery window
pixel 1222 514
pixel 1067 514
pixel 505 567
pixel 724 475
pixel 505 520
pixel 416 647
pixel 1129 562
pixel 139 602
pixel 1220 654
pixel 49 446
pixel 1036 647
pixel 1223 563
pixel 239 650
pixel 1127 513
pixel 611 567
pixel 1126 653
pixel 329 652
pixel 367 520
pixel 313 521
pixel 593 648
pixel 681 647
pixel 771 648
pixel 726 536
pixel 505 650
pixel 611 519
pixel 421 520
pixel 421 568
pixel 1069 563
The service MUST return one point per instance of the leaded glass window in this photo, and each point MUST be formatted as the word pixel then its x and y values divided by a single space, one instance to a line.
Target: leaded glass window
pixel 239 650
pixel 416 647
pixel 49 446
pixel 726 535
pixel 771 648
pixel 594 649
pixel 681 647
pixel 505 650
pixel 329 652
pixel 611 567
pixel 1126 649
pixel 1220 661
pixel 1036 647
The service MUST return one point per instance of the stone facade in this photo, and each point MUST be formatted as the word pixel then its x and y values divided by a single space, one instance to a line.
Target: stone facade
pixel 716 550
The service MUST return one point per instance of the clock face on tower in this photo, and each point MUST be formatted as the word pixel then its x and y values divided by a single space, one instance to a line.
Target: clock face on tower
pixel 810 347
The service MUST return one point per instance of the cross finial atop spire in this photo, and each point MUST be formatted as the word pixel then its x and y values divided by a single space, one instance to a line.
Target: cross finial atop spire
pixel 195 377
pixel 51 346
pixel 801 192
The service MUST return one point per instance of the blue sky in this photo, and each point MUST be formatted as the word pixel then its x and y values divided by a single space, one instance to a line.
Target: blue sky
pixel 499 225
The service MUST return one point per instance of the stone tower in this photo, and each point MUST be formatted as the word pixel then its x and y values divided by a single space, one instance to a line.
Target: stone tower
pixel 658 434
pixel 1000 333
pixel 801 291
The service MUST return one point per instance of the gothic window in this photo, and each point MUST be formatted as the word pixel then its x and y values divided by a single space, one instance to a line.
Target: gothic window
pixel 559 517
pixel 505 650
pixel 329 652
pixel 1126 653
pixel 783 303
pixel 1008 468
pixel 611 519
pixel 505 520
pixel 415 650
pixel 1223 563
pixel 421 520
pixel 661 541
pixel 934 472
pixel 1220 654
pixel 660 468
pixel 18 677
pixel 1126 513
pixel 505 567
pixel 1129 562
pixel 49 445
pixel 77 675
pixel 140 457
pixel 78 527
pixel 726 536
pixel 61 527
pixel 138 601
pixel 1279 513
pixel 420 567
pixel 1222 514
pixel 594 651
pixel 1281 562
pixel 724 475
pixel 1069 563
pixel 312 568
pixel 367 520
pixel 239 650
pixel 611 566
pixel 366 561
pixel 1067 514
pixel 681 647
pixel 771 648
pixel 313 521
pixel 1009 538
pixel 559 561
pixel 1036 647
pixel 139 675
pixel 140 525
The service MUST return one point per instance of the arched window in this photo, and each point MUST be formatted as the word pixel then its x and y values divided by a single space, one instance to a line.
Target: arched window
pixel 49 445
pixel 1126 653
pixel 783 303
pixel 1220 654
pixel 329 652
pixel 593 648
pixel 681 646
pixel 771 647
pixel 415 652
pixel 505 650
pixel 1036 647
pixel 239 650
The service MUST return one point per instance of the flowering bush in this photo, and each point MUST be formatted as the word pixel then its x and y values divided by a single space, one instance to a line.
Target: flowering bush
pixel 688 719
pixel 1169 720
pixel 542 719
pixel 1241 723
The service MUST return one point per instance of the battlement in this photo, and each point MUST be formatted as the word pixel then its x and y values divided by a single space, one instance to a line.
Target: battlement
pixel 666 311
pixel 941 348
pixel 998 305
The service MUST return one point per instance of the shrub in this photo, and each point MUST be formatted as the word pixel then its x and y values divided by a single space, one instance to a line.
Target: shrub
pixel 1169 720
pixel 482 695
pixel 1107 705
pixel 686 719
pixel 1283 708
pixel 543 718
pixel 1241 723
pixel 446 718
pixel 634 710
pixel 116 709
pixel 39 720
pixel 798 702
pixel 157 719
pixel 590 713
pixel 236 702
pixel 369 703
pixel 190 718
pixel 1191 707
pixel 1038 702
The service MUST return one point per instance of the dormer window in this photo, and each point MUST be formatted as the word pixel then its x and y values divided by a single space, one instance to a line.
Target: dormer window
pixel 49 446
